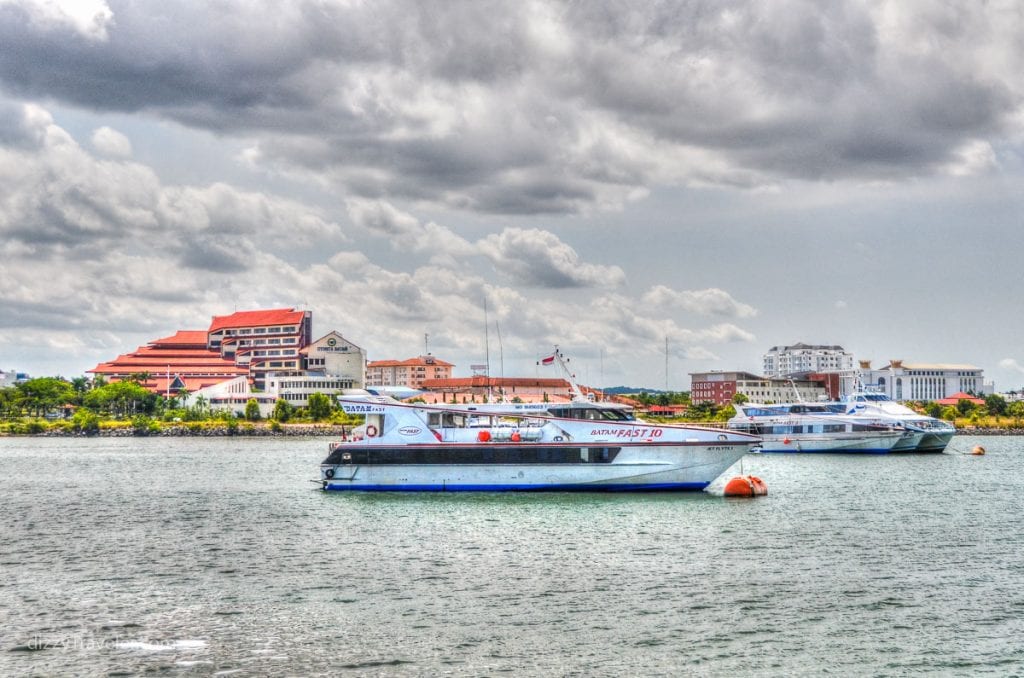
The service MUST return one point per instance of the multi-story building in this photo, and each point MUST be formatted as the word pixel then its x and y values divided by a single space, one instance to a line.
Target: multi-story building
pixel 720 387
pixel 245 354
pixel 334 355
pixel 330 364
pixel 781 361
pixel 266 342
pixel 924 381
pixel 410 373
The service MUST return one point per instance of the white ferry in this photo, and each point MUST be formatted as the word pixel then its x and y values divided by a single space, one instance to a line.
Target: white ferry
pixel 932 435
pixel 576 446
pixel 819 427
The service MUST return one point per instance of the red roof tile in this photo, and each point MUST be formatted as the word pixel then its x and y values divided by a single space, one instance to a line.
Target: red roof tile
pixel 277 316
pixel 183 338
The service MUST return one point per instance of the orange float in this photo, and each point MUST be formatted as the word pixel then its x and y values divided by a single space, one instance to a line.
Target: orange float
pixel 745 486
pixel 484 436
pixel 978 450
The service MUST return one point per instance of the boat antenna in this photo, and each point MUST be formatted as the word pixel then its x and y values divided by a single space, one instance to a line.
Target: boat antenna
pixel 487 343
pixel 501 363
pixel 577 394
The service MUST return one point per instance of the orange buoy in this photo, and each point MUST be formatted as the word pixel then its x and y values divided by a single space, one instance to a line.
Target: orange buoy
pixel 978 450
pixel 745 486
pixel 483 436
pixel 515 437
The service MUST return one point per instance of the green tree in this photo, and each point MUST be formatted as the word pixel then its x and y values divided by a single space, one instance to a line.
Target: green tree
pixel 252 409
pixel 319 406
pixel 86 422
pixel 996 404
pixel 44 394
pixel 9 405
pixel 933 409
pixel 121 398
pixel 740 398
pixel 282 410
pixel 965 406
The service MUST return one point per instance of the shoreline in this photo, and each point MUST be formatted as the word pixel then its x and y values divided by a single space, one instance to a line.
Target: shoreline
pixel 284 431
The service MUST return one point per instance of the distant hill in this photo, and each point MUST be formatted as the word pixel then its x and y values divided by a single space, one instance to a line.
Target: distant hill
pixel 625 390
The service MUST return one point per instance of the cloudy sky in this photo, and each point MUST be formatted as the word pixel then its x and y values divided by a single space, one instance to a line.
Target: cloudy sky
pixel 725 176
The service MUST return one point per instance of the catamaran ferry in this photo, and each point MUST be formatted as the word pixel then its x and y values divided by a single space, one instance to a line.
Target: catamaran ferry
pixel 575 446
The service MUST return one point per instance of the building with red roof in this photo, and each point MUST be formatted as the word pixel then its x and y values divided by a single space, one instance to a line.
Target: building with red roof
pixel 256 344
pixel 410 373
pixel 172 364
pixel 955 399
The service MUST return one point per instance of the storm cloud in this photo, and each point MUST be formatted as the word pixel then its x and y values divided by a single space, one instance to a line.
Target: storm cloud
pixel 546 107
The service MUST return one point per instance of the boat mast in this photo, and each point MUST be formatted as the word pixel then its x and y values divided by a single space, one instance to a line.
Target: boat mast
pixel 577 394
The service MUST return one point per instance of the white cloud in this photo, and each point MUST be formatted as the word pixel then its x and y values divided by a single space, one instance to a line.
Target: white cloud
pixel 711 301
pixel 111 143
pixel 89 18
pixel 1011 364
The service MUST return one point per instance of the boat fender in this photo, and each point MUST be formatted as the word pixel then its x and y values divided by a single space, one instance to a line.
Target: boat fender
pixel 329 473
pixel 371 431
pixel 516 437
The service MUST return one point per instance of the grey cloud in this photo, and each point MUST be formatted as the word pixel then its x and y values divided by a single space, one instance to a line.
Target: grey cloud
pixel 60 199
pixel 508 108
pixel 536 257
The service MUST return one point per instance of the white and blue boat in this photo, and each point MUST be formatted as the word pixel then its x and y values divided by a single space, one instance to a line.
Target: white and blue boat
pixel 819 428
pixel 930 434
pixel 576 446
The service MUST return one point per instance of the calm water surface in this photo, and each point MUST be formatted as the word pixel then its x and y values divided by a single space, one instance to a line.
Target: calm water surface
pixel 217 556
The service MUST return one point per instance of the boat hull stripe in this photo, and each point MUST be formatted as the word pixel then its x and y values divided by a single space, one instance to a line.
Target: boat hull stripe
pixel 572 487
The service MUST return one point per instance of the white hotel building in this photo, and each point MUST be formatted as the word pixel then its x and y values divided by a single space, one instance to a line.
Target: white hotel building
pixel 781 361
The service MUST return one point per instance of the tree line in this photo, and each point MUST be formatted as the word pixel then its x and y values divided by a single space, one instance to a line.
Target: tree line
pixel 86 403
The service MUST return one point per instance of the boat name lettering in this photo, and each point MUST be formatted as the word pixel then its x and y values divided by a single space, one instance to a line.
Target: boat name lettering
pixel 362 409
pixel 628 432
pixel 410 430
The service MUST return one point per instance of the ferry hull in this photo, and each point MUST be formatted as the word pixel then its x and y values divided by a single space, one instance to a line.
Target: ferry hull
pixel 665 469
pixel 830 445
pixel 935 442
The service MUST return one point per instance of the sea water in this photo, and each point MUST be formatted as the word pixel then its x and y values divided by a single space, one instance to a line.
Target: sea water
pixel 193 556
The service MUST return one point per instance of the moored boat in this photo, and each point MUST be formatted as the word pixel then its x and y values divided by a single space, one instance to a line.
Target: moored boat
pixel 816 428
pixel 576 446
pixel 932 435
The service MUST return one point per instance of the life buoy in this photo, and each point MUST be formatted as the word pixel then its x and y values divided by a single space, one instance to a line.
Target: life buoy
pixel 371 431
pixel 329 473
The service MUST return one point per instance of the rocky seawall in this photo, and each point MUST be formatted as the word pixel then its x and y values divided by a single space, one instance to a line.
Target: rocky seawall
pixel 981 431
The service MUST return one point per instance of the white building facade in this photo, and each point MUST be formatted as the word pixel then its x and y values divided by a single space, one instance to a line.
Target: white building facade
pixel 924 381
pixel 781 361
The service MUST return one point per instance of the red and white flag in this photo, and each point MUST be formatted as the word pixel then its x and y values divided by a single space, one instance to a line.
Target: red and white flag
pixel 547 361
